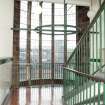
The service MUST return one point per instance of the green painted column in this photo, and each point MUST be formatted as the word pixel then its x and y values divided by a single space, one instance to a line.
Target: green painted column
pixel 40 45
pixel 52 44
pixel 65 32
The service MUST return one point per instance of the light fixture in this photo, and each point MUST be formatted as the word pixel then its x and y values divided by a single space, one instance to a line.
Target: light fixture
pixel 38 9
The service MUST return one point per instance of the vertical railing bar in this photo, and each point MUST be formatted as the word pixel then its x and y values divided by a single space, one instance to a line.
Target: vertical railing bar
pixel 81 60
pixel 77 60
pixel 87 91
pixel 83 87
pixel 104 27
pixel 99 83
pixel 48 69
pixel 73 87
pixel 60 71
pixel 93 48
pixel 76 86
pixel 104 48
pixel 43 71
pixel 103 93
pixel 79 57
pixel 83 66
pixel 91 54
pixel 57 72
pixel 46 72
pixel 90 92
pixel 86 60
pixel 80 90
pixel 94 93
pixel 96 46
pixel 64 85
pixel 100 40
pixel 85 53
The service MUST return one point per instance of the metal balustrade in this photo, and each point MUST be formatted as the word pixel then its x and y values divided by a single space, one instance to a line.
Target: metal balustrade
pixel 83 89
pixel 84 75
pixel 29 73
pixel 89 54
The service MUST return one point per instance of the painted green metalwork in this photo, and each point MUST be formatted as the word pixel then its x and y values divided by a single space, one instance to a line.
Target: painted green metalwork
pixel 5 60
pixel 94 93
pixel 104 94
pixel 99 93
pixel 46 29
pixel 65 32
pixel 86 89
pixel 84 57
pixel 86 61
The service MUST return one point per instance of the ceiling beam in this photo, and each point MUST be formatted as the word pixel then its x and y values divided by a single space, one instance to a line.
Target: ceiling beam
pixel 74 2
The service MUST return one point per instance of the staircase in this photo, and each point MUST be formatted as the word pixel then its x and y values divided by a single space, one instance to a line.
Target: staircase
pixel 84 73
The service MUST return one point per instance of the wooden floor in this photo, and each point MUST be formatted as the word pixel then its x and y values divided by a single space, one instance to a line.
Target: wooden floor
pixel 37 95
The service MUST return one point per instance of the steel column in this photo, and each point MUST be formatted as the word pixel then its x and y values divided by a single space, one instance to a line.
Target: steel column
pixel 52 46
pixel 65 32
pixel 28 49
pixel 40 45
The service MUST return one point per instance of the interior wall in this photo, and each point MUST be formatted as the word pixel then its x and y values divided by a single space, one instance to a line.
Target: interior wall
pixel 6 40
pixel 94 6
pixel 6 22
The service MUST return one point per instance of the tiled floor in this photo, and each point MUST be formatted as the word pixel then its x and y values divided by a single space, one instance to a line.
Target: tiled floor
pixel 37 95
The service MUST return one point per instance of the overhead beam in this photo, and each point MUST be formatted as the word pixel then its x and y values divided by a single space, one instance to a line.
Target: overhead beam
pixel 74 2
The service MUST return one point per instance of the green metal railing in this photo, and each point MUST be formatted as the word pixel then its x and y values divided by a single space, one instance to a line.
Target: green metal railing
pixel 46 71
pixel 83 89
pixel 30 74
pixel 89 55
pixel 84 73
pixel 5 60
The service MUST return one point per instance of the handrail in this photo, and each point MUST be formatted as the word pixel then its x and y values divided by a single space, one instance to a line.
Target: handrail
pixel 37 63
pixel 88 28
pixel 5 60
pixel 94 78
pixel 99 69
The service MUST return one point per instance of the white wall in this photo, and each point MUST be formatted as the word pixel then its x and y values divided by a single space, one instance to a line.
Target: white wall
pixel 6 22
pixel 94 6
pixel 6 40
